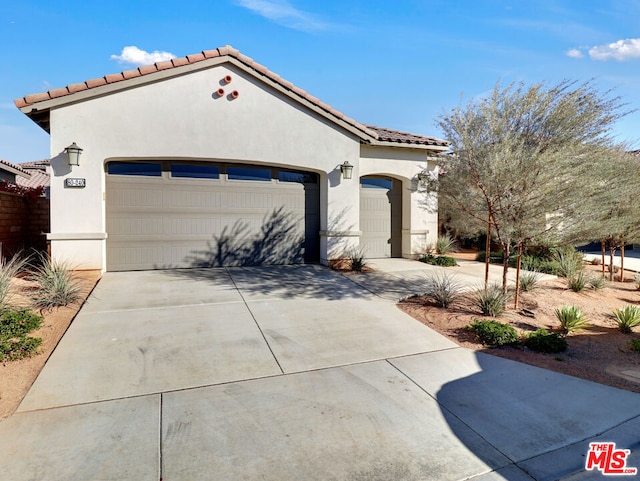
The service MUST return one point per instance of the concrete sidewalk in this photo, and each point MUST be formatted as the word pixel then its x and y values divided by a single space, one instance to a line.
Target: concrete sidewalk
pixel 631 259
pixel 290 373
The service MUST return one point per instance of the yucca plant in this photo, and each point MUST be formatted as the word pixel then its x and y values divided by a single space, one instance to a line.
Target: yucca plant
pixel 55 284
pixel 442 289
pixel 357 259
pixel 445 244
pixel 571 318
pixel 529 281
pixel 627 318
pixel 8 270
pixel 492 300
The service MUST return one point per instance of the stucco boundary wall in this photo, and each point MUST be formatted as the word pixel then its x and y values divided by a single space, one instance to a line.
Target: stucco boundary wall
pixel 23 224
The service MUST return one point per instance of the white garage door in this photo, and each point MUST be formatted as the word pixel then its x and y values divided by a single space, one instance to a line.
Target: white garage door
pixel 163 215
pixel 381 217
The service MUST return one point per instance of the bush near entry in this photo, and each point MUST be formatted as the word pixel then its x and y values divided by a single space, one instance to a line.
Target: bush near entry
pixel 15 325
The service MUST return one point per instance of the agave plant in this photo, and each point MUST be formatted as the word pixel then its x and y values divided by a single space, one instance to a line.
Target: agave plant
pixel 627 318
pixel 571 318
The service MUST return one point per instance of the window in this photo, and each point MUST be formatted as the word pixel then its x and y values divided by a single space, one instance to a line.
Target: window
pixel 376 183
pixel 299 177
pixel 249 173
pixel 135 168
pixel 195 171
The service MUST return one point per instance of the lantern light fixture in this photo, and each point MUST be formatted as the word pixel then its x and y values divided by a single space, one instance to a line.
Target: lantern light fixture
pixel 73 154
pixel 347 169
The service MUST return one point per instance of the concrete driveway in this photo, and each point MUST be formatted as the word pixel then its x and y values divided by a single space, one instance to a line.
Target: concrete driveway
pixel 293 373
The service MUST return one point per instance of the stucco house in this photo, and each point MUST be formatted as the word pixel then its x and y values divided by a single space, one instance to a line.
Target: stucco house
pixel 212 159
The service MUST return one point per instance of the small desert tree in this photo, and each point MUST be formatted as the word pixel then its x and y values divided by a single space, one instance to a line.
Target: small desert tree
pixel 615 212
pixel 522 158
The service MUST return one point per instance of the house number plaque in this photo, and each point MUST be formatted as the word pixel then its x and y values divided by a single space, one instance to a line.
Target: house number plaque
pixel 74 182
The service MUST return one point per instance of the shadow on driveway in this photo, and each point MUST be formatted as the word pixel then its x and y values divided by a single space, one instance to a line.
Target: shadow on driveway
pixel 540 420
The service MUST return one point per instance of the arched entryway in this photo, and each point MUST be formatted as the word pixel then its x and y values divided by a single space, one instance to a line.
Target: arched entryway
pixel 381 216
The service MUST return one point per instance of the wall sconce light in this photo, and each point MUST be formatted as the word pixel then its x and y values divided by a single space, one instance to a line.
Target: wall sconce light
pixel 347 169
pixel 73 154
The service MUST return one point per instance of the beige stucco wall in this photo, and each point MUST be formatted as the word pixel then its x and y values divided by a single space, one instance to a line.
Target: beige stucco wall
pixel 183 118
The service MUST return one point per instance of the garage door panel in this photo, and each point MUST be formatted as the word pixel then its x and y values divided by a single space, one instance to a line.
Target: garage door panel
pixel 160 222
pixel 380 217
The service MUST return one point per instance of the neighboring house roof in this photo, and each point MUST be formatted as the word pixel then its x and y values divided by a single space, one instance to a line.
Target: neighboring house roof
pixel 14 169
pixel 36 165
pixel 37 179
pixel 37 106
pixel 38 171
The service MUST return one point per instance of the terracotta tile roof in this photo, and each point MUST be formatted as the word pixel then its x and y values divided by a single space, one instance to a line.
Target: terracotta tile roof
pixel 38 178
pixel 14 168
pixel 36 165
pixel 260 71
pixel 388 135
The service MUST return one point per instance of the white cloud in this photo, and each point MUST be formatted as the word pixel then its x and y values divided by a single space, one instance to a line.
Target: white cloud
pixel 621 50
pixel 133 55
pixel 574 53
pixel 282 12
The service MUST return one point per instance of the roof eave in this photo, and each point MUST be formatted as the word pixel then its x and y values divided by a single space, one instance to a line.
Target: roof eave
pixel 407 145
pixel 39 111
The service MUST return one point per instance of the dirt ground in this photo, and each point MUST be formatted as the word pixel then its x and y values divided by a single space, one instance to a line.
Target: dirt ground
pixel 16 377
pixel 600 353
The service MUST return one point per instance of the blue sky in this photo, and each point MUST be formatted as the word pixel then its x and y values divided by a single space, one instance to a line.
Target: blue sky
pixel 396 64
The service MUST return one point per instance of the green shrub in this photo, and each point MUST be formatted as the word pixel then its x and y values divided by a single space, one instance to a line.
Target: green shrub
pixel 627 318
pixel 442 289
pixel 443 261
pixel 546 266
pixel 493 333
pixel 571 318
pixel 545 341
pixel 445 244
pixel 577 282
pixel 15 324
pixel 56 285
pixel 634 344
pixel 529 281
pixel 8 270
pixel 492 300
pixel 496 258
pixel 19 348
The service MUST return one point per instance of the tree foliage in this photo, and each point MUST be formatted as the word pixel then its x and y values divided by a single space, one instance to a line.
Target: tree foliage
pixel 523 157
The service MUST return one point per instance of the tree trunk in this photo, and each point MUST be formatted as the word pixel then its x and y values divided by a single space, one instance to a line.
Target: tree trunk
pixel 612 253
pixel 604 249
pixel 518 264
pixel 487 258
pixel 505 265
pixel 622 260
